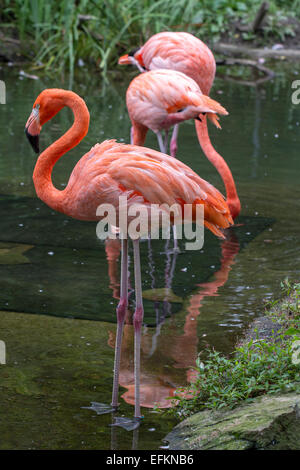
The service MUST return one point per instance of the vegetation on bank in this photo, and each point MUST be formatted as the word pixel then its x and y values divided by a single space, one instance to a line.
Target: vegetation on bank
pixel 56 35
pixel 263 364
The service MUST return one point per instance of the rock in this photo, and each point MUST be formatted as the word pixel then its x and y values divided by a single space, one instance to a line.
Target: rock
pixel 270 422
pixel 162 294
pixel 11 253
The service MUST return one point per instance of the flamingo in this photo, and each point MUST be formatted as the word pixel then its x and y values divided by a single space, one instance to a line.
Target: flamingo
pixel 160 99
pixel 185 53
pixel 104 174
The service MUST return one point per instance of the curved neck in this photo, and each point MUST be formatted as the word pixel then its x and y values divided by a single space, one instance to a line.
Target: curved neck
pixel 138 133
pixel 46 161
pixel 219 163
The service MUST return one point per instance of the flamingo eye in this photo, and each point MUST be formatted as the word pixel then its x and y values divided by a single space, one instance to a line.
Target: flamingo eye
pixel 180 110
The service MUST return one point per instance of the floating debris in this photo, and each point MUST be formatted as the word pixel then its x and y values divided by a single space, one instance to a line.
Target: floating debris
pixel 27 75
pixel 11 253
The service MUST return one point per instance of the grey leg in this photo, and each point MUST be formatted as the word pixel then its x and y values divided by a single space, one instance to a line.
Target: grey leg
pixel 121 311
pixel 137 322
pixel 161 142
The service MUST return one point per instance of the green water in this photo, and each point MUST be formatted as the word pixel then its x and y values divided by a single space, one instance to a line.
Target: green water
pixel 58 290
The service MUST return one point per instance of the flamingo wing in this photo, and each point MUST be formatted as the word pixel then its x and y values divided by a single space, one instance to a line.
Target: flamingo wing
pixel 112 169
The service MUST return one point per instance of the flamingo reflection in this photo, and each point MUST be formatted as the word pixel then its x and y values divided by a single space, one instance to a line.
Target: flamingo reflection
pixel 160 378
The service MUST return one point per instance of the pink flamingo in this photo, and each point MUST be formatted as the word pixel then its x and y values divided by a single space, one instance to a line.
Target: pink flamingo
pixel 160 99
pixel 110 170
pixel 187 54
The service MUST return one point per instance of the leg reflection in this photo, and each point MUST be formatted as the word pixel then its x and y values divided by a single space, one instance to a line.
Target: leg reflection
pixel 160 378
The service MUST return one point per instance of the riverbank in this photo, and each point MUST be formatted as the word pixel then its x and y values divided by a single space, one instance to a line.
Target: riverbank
pixel 254 394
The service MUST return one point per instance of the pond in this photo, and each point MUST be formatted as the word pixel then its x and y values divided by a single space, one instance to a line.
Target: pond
pixel 59 285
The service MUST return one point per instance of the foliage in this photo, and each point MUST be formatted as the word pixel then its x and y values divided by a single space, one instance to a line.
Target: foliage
pixel 59 33
pixel 257 367
pixel 287 310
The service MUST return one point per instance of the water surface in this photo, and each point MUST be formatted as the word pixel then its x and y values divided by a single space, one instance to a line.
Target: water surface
pixel 59 285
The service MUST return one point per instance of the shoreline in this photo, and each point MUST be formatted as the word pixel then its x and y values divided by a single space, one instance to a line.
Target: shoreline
pixel 267 420
pixel 13 51
pixel 231 50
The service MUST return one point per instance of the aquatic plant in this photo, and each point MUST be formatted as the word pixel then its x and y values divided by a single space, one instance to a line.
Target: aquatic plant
pixel 259 366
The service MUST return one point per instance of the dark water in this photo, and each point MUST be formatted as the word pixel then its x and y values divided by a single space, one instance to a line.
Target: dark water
pixel 59 285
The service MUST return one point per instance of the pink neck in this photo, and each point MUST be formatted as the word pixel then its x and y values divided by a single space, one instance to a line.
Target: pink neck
pixel 46 161
pixel 220 164
pixel 138 133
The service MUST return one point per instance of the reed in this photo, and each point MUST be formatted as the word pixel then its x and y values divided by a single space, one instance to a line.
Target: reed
pixel 56 34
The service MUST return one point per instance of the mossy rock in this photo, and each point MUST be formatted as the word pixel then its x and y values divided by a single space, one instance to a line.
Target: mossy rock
pixel 162 294
pixel 271 422
pixel 11 253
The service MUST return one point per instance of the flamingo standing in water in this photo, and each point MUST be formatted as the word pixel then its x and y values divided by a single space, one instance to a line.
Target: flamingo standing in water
pixel 110 170
pixel 187 54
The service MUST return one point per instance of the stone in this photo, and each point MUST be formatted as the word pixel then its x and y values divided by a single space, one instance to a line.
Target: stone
pixel 162 294
pixel 270 422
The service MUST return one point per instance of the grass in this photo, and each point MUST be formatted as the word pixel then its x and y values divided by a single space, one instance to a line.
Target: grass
pixel 259 366
pixel 55 35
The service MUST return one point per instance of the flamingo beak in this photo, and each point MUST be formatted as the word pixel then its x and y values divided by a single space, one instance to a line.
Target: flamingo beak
pixel 124 60
pixel 211 109
pixel 32 130
pixel 34 141
pixel 214 118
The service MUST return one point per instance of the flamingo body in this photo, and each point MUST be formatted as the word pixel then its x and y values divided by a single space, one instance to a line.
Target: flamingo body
pixel 177 51
pixel 111 169
pixel 161 98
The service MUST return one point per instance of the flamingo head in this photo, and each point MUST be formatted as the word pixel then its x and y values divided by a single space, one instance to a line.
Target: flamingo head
pixel 196 106
pixel 48 103
pixel 211 108
pixel 134 57
pixel 33 128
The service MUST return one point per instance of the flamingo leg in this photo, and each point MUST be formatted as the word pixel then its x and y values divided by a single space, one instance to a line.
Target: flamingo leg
pixel 121 311
pixel 173 142
pixel 161 144
pixel 137 322
pixel 176 248
pixel 131 135
pixel 166 139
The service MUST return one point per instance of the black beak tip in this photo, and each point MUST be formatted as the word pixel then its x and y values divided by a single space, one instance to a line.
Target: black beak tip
pixel 198 119
pixel 34 141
